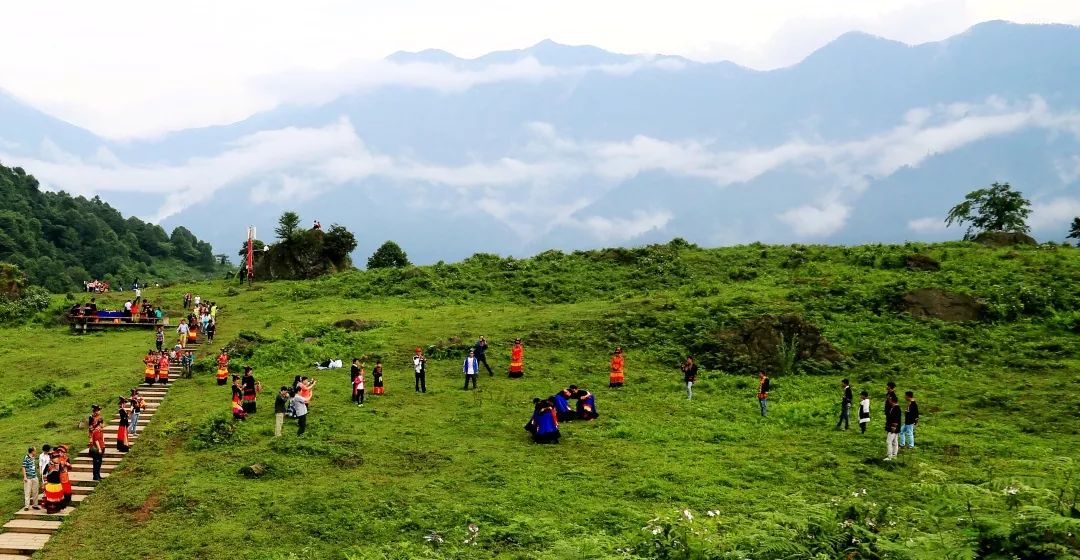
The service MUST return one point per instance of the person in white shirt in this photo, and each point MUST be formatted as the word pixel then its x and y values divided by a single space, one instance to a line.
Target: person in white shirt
pixel 420 369
pixel 182 330
pixel 864 411
pixel 470 368
pixel 198 300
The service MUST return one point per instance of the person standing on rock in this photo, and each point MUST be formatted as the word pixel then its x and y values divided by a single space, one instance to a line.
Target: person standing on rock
pixel 763 393
pixel 616 378
pixel 30 481
pixel 892 428
pixel 480 350
pixel 689 371
pixel 845 406
pixel 471 368
pixel 420 370
pixel 517 360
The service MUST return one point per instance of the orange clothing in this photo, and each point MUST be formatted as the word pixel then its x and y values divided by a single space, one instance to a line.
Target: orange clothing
pixel 616 369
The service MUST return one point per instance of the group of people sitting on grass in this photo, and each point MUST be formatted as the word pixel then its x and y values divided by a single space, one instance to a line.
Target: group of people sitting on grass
pixel 547 413
pixel 46 479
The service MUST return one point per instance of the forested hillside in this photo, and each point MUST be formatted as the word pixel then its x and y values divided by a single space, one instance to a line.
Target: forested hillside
pixel 60 241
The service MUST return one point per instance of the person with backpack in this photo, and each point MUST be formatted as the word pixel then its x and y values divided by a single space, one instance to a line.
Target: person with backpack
pixel 763 392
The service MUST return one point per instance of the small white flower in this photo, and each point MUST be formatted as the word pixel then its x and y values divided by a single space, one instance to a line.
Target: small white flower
pixel 687 515
pixel 712 513
pixel 657 530
pixel 863 491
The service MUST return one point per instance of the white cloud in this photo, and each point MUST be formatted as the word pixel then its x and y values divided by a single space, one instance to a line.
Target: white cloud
pixel 618 229
pixel 1056 213
pixel 816 221
pixel 552 177
pixel 927 225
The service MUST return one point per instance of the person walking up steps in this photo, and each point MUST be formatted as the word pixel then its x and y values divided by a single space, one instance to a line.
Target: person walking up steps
pixel 864 411
pixel 845 406
pixel 159 337
pixel 911 419
pixel 420 370
pixel 471 368
pixel 481 354
pixel 892 428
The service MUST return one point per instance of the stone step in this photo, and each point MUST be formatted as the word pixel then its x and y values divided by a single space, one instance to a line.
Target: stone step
pixel 89 467
pixel 32 526
pixel 42 516
pixel 104 460
pixel 109 452
pixel 14 557
pixel 81 490
pixel 84 478
pixel 22 543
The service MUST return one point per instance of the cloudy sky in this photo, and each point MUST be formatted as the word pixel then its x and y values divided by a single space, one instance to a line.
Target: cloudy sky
pixel 135 68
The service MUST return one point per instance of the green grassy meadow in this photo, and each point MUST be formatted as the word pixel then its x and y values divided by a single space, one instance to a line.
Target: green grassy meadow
pixel 995 475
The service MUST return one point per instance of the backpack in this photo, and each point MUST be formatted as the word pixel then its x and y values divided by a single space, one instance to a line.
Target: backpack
pixel 290 411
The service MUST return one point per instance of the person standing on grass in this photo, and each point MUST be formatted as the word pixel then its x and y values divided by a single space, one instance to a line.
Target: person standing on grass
pixel 358 387
pixel 763 393
pixel 689 370
pixel 911 418
pixel 30 480
pixel 420 370
pixel 892 428
pixel 251 389
pixel 354 369
pixel 223 367
pixel 480 349
pixel 616 378
pixel 517 360
pixel 471 368
pixel 280 403
pixel 845 406
pixel 890 393
pixel 864 411
pixel 300 411
pixel 376 373
pixel 306 389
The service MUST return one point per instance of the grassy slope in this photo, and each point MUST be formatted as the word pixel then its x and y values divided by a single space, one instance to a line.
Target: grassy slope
pixel 373 482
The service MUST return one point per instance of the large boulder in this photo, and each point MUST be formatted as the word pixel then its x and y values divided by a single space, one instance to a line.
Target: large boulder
pixel 942 304
pixel 759 343
pixel 1004 239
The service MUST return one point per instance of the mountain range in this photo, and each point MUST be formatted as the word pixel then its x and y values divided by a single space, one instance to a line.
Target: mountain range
pixel 571 147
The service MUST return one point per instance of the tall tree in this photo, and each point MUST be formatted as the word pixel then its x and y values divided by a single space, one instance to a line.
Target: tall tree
pixel 388 255
pixel 288 225
pixel 338 244
pixel 996 208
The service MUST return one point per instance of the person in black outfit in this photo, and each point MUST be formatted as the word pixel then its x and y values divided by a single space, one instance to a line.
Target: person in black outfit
pixel 845 406
pixel 480 351
pixel 911 418
pixel 890 393
pixel 420 370
pixel 354 369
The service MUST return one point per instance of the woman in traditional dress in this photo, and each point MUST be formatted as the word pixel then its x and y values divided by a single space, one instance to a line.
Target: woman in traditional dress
pixel 251 389
pixel 149 371
pixel 163 369
pixel 65 478
pixel 193 331
pixel 616 378
pixel 544 425
pixel 561 402
pixel 517 360
pixel 223 367
pixel 122 442
pixel 237 390
pixel 586 403
pixel 54 489
pixel 376 374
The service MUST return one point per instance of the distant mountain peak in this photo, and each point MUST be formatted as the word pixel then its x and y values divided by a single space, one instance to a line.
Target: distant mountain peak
pixel 430 56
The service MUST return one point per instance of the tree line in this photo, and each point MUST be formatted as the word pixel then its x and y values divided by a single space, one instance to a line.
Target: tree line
pixel 60 241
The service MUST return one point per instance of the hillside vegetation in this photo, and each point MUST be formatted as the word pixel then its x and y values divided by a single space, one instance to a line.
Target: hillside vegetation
pixel 61 241
pixel 995 474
